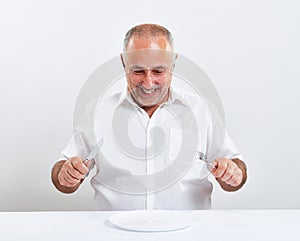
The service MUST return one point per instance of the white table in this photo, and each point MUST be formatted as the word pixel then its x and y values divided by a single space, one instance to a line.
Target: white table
pixel 212 225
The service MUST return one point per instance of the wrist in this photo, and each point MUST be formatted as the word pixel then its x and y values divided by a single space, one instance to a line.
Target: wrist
pixel 242 166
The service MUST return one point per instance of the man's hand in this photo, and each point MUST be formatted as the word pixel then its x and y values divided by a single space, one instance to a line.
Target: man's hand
pixel 72 172
pixel 231 174
pixel 68 175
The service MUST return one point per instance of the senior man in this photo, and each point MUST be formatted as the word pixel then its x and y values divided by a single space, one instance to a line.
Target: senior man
pixel 148 61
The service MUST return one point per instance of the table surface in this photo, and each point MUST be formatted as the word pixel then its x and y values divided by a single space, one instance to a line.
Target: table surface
pixel 212 225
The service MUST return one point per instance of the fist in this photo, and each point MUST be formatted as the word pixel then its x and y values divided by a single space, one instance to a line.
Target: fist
pixel 72 172
pixel 227 171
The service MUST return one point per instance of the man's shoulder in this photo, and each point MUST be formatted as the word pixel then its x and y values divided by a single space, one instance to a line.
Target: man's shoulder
pixel 189 98
pixel 110 100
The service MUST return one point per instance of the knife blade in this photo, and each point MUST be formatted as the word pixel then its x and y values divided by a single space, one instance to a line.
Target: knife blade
pixel 93 154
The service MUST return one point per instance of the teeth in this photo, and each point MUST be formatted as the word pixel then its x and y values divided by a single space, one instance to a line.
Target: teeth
pixel 148 91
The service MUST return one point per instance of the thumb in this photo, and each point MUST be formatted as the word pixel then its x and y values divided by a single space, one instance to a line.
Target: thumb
pixel 213 166
pixel 88 163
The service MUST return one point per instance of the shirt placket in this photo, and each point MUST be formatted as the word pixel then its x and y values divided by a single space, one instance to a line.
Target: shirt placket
pixel 150 163
pixel 149 168
pixel 147 123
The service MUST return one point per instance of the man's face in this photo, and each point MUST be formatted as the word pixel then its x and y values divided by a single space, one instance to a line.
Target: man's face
pixel 148 67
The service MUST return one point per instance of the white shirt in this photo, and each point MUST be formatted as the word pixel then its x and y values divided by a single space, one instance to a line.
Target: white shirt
pixel 154 171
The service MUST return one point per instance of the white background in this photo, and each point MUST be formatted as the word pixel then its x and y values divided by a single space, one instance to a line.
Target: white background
pixel 250 50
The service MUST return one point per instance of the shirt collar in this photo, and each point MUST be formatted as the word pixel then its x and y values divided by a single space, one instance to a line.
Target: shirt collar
pixel 176 97
pixel 125 96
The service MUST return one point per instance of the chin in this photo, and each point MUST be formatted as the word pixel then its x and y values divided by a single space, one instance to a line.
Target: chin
pixel 150 101
pixel 146 104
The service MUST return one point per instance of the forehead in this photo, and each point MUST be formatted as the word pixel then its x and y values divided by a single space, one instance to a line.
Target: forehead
pixel 151 42
pixel 148 52
pixel 149 58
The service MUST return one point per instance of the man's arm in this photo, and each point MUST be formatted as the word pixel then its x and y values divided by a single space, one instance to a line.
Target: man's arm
pixel 230 173
pixel 68 175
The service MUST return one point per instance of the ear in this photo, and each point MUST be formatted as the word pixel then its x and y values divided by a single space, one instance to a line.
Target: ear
pixel 123 63
pixel 176 56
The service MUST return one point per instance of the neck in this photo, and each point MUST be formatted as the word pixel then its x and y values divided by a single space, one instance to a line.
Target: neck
pixel 151 109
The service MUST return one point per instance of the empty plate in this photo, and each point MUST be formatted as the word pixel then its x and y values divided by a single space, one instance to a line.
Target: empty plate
pixel 153 220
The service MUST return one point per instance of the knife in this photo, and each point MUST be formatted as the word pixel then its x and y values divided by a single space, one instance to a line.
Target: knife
pixel 93 154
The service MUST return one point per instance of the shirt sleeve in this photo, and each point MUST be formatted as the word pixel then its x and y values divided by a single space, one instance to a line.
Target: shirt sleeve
pixel 69 151
pixel 77 146
pixel 219 142
pixel 229 149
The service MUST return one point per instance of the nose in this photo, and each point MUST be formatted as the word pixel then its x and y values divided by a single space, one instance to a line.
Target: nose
pixel 148 79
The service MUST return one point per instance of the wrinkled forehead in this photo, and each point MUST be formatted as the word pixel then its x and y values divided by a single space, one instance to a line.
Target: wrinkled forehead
pixel 149 58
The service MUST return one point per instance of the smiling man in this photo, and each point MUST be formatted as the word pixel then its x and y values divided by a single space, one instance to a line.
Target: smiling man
pixel 148 61
pixel 149 73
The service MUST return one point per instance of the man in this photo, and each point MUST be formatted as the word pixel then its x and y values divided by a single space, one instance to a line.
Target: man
pixel 148 62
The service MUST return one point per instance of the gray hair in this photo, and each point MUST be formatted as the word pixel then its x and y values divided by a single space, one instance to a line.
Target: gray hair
pixel 148 31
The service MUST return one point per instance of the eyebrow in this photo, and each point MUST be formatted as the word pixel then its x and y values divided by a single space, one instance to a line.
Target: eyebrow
pixel 136 67
pixel 140 67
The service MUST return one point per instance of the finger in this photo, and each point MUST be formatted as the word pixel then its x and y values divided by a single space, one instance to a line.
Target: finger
pixel 75 174
pixel 88 163
pixel 70 172
pixel 65 179
pixel 221 168
pixel 212 166
pixel 67 183
pixel 236 179
pixel 229 172
pixel 68 177
pixel 79 165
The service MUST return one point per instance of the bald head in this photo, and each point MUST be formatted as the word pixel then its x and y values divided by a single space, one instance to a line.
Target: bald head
pixel 148 32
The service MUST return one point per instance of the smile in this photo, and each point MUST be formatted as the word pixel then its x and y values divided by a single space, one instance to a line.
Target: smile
pixel 148 91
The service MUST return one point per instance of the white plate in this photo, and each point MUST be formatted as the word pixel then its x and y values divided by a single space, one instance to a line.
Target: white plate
pixel 153 220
